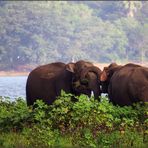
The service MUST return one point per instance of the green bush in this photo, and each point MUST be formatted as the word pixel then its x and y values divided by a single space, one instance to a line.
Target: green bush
pixel 66 123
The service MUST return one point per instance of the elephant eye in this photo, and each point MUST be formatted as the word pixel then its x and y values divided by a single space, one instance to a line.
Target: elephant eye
pixel 84 81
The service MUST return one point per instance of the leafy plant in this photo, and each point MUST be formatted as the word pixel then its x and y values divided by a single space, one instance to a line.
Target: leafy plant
pixel 80 123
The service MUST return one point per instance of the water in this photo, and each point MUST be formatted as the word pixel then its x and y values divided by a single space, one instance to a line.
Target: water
pixel 13 87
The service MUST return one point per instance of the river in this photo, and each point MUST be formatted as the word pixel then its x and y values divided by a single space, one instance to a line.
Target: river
pixel 13 87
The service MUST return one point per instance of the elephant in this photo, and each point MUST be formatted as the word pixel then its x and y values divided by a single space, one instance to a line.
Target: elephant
pixel 125 84
pixel 86 79
pixel 46 82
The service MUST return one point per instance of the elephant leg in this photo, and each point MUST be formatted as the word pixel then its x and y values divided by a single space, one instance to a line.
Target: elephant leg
pixel 144 94
pixel 96 94
pixel 110 95
pixel 94 85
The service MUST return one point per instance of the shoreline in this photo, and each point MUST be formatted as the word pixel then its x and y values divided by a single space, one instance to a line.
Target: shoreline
pixel 26 73
pixel 13 73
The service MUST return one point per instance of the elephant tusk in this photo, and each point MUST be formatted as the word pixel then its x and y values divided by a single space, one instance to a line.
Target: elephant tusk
pixel 92 94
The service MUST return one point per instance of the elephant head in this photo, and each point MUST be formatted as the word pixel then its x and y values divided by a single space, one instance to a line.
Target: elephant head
pixel 86 78
pixel 106 75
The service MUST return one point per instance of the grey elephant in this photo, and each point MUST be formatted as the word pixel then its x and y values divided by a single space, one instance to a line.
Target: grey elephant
pixel 46 82
pixel 125 84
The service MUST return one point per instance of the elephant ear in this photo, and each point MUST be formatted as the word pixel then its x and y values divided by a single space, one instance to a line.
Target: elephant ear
pixel 103 76
pixel 109 71
pixel 70 67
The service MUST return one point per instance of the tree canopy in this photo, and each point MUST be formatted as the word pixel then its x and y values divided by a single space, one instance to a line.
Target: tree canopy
pixel 39 32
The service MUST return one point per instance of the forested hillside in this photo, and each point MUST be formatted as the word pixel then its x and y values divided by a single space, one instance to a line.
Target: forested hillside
pixel 39 32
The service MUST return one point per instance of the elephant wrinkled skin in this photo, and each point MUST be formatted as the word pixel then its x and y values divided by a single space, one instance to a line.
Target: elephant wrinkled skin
pixel 126 84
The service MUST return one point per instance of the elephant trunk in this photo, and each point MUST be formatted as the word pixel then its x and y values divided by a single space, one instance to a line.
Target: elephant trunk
pixel 93 69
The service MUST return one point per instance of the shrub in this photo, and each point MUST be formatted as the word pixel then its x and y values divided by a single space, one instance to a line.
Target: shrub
pixel 65 123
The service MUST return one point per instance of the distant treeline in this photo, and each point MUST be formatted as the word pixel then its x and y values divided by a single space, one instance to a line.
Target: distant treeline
pixel 38 32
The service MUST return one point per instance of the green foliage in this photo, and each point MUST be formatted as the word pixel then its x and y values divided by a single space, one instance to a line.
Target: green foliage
pixel 38 33
pixel 13 114
pixel 72 122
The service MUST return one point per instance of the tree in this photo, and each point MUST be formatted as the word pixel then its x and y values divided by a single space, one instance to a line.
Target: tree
pixel 49 31
pixel 132 7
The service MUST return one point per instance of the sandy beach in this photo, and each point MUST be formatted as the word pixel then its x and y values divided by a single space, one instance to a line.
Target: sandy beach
pixel 13 73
